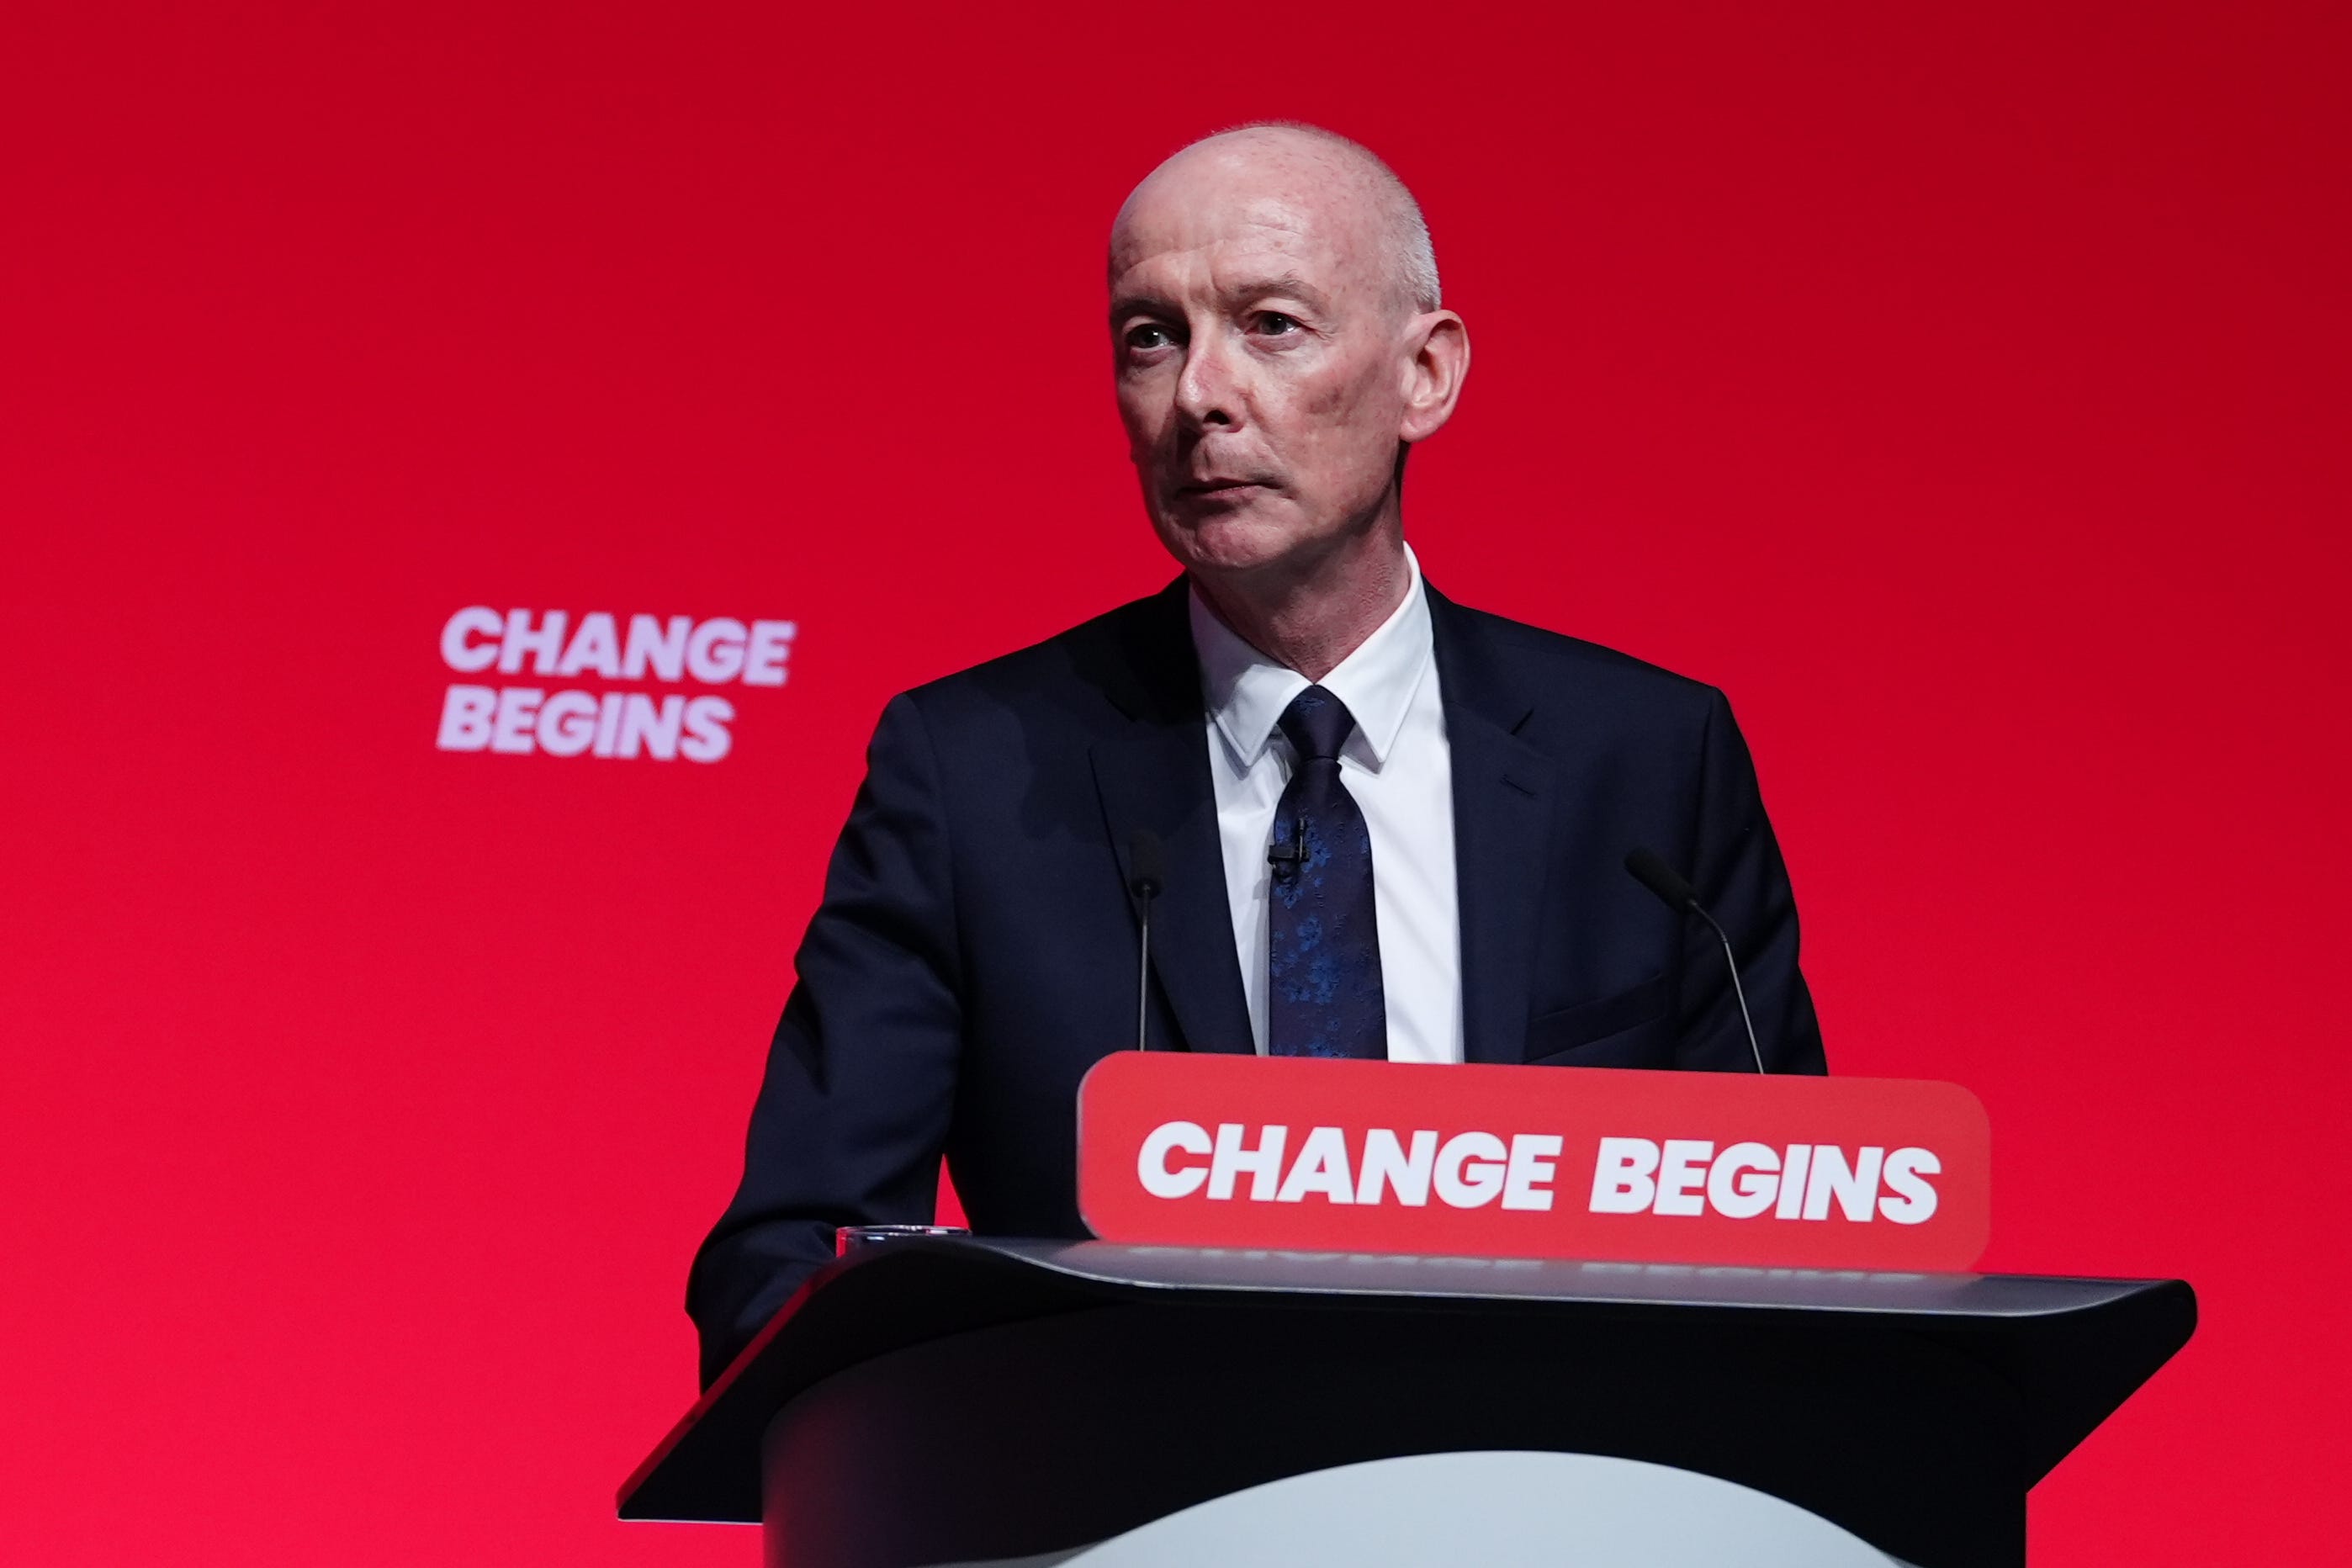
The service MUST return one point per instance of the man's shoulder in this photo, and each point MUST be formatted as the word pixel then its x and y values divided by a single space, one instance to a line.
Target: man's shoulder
pixel 1127 657
pixel 1544 661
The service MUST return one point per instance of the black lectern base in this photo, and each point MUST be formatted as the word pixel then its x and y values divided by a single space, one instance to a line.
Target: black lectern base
pixel 941 1401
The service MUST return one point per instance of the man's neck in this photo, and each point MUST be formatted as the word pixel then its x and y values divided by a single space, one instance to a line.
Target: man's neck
pixel 1313 621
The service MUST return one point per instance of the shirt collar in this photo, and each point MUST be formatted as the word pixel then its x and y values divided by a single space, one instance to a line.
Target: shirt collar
pixel 1246 691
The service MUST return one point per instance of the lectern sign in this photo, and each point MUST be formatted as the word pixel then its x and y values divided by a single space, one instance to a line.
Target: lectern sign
pixel 1506 1162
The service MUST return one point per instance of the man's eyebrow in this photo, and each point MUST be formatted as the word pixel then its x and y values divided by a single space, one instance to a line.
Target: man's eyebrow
pixel 1288 284
pixel 1127 305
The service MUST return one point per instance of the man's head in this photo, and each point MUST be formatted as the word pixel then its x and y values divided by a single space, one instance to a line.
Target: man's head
pixel 1278 339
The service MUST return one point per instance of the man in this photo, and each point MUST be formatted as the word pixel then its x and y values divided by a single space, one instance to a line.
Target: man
pixel 1393 826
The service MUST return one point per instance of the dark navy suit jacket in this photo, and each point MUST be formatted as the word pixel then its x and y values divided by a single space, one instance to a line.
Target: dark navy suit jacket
pixel 975 951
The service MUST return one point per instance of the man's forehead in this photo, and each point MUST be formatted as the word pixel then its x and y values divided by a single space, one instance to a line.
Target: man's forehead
pixel 1213 229
pixel 1212 233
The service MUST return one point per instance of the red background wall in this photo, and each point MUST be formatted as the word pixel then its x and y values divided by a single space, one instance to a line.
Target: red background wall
pixel 1962 388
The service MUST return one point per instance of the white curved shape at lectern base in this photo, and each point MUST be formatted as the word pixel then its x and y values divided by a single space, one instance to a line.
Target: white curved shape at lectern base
pixel 1497 1509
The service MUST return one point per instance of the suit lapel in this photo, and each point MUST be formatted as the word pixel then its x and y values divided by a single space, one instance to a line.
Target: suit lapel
pixel 1155 775
pixel 1503 794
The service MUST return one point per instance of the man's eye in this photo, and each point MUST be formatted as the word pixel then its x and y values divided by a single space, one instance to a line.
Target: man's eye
pixel 1150 335
pixel 1274 324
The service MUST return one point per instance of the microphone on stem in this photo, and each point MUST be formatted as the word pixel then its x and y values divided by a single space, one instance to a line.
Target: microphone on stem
pixel 1147 874
pixel 1661 878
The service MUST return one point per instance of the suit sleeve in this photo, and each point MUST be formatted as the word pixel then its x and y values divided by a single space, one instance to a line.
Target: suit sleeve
pixel 1740 877
pixel 853 1109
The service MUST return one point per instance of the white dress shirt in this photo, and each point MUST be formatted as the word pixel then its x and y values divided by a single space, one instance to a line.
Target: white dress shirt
pixel 1398 766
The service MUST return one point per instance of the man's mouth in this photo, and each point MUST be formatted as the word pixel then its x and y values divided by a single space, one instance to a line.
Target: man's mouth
pixel 1218 488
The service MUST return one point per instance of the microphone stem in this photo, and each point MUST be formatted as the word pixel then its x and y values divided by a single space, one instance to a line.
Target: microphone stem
pixel 1143 981
pixel 1737 990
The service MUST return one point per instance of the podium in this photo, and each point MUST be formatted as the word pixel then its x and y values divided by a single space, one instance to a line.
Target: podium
pixel 961 1400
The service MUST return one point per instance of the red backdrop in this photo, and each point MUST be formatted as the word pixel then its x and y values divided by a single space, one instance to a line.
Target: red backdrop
pixel 1962 388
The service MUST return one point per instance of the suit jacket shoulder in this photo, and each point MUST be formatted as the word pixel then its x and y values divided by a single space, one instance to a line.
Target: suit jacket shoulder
pixel 1545 684
pixel 1134 661
pixel 1559 651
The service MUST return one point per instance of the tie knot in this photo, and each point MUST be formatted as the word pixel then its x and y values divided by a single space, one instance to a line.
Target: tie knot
pixel 1316 726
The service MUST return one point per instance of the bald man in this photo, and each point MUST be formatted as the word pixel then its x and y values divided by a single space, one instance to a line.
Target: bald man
pixel 1393 827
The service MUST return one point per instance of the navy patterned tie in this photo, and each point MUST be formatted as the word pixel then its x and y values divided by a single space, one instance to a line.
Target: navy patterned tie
pixel 1324 999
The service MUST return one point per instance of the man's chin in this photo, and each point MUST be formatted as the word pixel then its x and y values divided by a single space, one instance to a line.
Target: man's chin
pixel 1227 540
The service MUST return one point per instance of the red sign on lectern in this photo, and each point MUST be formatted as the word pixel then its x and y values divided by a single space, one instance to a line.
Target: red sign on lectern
pixel 1510 1162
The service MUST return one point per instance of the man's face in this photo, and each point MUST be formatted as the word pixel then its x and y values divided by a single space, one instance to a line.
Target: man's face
pixel 1262 357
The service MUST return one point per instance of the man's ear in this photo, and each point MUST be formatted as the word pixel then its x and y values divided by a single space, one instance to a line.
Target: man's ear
pixel 1433 376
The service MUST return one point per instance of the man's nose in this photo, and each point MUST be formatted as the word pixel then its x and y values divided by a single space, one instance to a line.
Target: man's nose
pixel 1209 393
